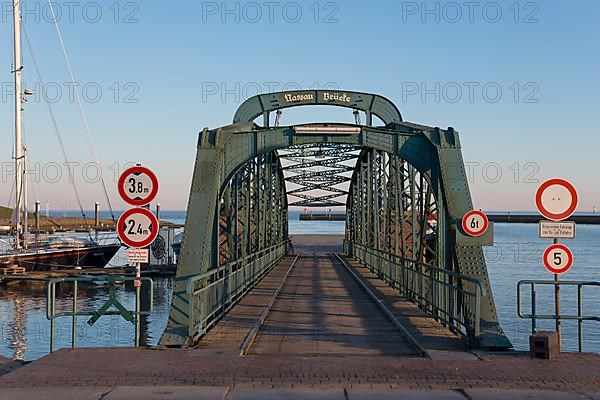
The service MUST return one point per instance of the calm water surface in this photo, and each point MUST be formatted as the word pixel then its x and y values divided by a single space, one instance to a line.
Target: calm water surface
pixel 24 329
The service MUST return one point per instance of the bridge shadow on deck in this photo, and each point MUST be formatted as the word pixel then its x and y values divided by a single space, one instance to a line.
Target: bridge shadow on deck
pixel 322 311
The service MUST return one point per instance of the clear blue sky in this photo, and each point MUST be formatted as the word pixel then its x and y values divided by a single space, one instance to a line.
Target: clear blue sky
pixel 171 56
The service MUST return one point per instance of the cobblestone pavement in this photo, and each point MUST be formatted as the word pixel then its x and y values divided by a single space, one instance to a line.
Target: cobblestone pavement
pixel 139 367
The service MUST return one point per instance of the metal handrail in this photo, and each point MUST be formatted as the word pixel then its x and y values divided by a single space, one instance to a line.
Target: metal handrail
pixel 456 306
pixel 534 316
pixel 225 284
pixel 131 316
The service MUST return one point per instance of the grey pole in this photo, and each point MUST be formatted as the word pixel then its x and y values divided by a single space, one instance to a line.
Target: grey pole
pixel 97 215
pixel 37 216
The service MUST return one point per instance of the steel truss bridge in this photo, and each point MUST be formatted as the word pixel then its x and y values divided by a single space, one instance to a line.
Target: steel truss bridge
pixel 403 186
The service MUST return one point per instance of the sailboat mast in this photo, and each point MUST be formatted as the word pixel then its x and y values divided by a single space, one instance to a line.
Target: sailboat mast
pixel 19 150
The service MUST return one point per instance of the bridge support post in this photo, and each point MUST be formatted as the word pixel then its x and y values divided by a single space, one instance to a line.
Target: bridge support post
pixel 201 227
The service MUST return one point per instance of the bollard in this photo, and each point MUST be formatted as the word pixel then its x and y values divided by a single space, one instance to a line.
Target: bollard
pixel 37 216
pixel 97 215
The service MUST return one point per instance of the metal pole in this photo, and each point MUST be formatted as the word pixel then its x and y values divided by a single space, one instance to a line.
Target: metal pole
pixel 138 285
pixel 533 310
pixel 52 323
pixel 557 306
pixel 158 212
pixel 37 216
pixel 18 119
pixel 97 215
pixel 580 316
pixel 74 324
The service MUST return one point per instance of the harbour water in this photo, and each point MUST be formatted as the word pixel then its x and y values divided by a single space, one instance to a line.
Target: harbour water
pixel 25 331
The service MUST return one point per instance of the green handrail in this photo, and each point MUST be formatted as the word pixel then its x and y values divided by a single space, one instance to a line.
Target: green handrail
pixel 534 316
pixel 131 316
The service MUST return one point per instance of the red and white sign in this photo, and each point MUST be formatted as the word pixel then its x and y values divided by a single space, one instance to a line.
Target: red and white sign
pixel 138 186
pixel 558 259
pixel 475 223
pixel 138 228
pixel 556 199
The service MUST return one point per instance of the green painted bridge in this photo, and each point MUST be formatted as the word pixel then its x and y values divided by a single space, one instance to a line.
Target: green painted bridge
pixel 404 189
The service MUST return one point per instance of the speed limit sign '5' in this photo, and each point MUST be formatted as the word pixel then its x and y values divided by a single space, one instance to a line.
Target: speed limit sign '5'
pixel 558 259
pixel 475 223
pixel 138 228
pixel 138 186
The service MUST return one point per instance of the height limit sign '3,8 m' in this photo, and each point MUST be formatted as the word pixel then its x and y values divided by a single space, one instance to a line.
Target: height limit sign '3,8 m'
pixel 138 186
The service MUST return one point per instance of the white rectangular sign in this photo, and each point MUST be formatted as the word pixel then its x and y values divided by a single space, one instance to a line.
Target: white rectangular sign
pixel 137 256
pixel 557 230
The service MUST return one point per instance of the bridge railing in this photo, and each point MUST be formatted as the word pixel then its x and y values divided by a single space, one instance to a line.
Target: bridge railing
pixel 452 298
pixel 212 294
pixel 111 307
pixel 534 316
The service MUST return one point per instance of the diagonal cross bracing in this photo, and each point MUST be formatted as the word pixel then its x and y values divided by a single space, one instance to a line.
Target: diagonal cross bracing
pixel 318 175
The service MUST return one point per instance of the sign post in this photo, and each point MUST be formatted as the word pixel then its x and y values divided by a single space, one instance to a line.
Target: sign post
pixel 138 227
pixel 556 200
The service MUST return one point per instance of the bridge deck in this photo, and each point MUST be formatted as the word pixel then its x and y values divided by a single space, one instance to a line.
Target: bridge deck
pixel 322 310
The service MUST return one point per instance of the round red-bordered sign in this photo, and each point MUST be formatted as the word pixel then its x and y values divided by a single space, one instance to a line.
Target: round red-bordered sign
pixel 475 223
pixel 556 199
pixel 138 228
pixel 138 186
pixel 558 259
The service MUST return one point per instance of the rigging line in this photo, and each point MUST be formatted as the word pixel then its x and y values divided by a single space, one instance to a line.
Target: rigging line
pixel 79 102
pixel 55 125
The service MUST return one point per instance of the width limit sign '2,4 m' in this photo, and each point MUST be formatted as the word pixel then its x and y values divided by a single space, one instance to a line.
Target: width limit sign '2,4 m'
pixel 138 228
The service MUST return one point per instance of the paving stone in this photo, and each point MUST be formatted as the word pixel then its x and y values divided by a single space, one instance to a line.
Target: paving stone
pixel 496 394
pixel 55 393
pixel 404 394
pixel 287 394
pixel 167 393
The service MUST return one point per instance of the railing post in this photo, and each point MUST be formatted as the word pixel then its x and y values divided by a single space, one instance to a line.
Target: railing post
pixel 74 327
pixel 533 307
pixel 52 299
pixel 477 312
pixel 580 316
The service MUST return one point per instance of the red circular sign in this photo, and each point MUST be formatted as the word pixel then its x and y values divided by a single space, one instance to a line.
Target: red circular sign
pixel 556 199
pixel 138 228
pixel 558 259
pixel 138 186
pixel 475 223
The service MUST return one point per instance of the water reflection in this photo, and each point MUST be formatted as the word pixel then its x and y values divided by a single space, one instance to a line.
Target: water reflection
pixel 26 330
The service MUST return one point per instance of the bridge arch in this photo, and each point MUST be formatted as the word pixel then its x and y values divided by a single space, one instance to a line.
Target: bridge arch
pixel 408 172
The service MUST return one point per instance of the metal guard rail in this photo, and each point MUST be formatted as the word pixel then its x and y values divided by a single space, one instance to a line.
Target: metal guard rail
pixel 215 292
pixel 52 315
pixel 534 316
pixel 437 291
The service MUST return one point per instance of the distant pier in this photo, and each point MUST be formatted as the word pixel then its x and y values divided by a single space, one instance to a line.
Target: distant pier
pixel 536 218
pixel 322 217
pixel 495 217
